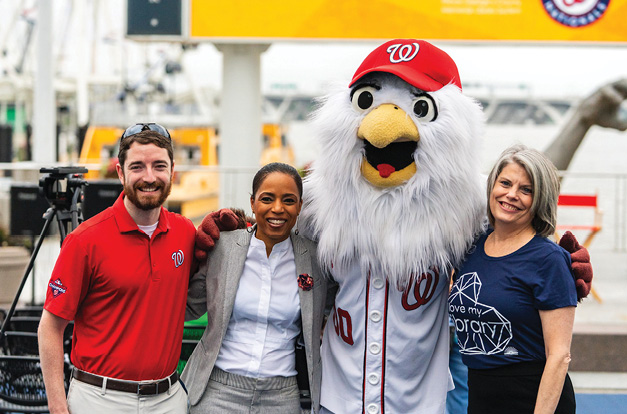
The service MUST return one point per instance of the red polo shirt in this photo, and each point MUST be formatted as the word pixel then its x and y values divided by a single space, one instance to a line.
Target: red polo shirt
pixel 126 293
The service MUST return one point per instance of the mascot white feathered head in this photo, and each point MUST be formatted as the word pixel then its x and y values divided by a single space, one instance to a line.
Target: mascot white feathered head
pixel 397 187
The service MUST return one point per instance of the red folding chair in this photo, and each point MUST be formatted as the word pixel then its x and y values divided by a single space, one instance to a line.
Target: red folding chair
pixel 582 201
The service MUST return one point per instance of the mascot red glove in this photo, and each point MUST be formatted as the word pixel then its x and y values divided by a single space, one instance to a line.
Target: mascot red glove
pixel 580 263
pixel 209 230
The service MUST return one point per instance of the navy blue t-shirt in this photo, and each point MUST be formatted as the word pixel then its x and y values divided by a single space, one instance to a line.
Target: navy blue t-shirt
pixel 495 301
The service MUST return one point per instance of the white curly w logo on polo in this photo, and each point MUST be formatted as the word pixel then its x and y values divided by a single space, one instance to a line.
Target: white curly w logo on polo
pixel 178 258
pixel 403 53
pixel 483 330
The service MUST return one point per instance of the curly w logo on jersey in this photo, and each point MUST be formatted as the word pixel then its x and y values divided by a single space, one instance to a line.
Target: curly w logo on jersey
pixel 423 288
pixel 178 258
pixel 57 288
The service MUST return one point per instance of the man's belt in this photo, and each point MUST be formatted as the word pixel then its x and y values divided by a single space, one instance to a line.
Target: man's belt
pixel 135 387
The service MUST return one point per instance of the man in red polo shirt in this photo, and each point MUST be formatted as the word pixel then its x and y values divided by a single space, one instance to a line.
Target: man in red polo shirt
pixel 122 276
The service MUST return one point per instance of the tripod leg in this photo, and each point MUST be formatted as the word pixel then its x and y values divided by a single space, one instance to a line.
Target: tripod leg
pixel 62 230
pixel 48 215
pixel 74 211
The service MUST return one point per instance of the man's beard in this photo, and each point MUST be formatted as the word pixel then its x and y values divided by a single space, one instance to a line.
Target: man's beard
pixel 148 203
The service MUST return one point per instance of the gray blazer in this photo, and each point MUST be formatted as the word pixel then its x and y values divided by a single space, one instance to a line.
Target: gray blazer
pixel 213 288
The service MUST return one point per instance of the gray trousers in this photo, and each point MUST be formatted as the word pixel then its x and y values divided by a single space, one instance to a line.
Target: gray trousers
pixel 236 394
pixel 89 399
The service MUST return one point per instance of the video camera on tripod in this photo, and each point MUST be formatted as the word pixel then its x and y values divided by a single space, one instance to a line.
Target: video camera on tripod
pixel 62 185
pixel 63 189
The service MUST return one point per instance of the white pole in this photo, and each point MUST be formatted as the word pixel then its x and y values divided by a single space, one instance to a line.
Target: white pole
pixel 44 111
pixel 83 65
pixel 240 122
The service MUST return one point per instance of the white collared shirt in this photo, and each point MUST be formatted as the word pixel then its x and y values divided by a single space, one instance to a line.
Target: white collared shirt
pixel 265 322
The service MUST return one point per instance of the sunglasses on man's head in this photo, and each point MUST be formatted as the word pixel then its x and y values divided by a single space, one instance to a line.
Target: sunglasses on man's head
pixel 151 126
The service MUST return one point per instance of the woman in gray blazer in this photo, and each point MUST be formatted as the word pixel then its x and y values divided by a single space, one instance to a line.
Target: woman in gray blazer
pixel 264 295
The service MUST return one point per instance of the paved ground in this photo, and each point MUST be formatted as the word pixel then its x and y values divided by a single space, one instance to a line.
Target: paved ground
pixel 601 403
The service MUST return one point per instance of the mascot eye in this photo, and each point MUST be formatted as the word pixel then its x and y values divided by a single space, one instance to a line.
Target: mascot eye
pixel 424 107
pixel 363 98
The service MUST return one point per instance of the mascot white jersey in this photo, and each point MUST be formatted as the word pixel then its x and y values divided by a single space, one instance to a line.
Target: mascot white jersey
pixel 395 201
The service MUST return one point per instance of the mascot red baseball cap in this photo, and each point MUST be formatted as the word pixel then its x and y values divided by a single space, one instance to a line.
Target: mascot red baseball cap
pixel 417 62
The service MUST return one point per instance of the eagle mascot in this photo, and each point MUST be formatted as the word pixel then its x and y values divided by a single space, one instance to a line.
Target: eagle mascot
pixel 395 201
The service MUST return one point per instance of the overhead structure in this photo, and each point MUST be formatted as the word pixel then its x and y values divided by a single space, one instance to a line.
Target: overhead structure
pixel 161 19
pixel 454 20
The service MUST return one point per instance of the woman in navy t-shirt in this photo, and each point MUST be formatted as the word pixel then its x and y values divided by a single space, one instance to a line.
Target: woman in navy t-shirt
pixel 513 300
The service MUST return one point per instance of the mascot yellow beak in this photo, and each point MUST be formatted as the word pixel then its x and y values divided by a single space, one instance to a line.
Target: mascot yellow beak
pixel 391 138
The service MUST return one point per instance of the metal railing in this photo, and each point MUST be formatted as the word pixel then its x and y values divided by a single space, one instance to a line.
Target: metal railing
pixel 611 190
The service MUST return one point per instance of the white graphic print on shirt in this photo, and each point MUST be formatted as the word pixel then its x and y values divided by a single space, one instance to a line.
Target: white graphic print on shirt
pixel 483 330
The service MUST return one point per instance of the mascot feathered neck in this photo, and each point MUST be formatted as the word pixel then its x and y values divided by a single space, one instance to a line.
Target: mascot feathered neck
pixel 397 188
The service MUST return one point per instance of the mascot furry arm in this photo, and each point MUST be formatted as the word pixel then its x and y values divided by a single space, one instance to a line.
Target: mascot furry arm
pixel 209 230
pixel 580 264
